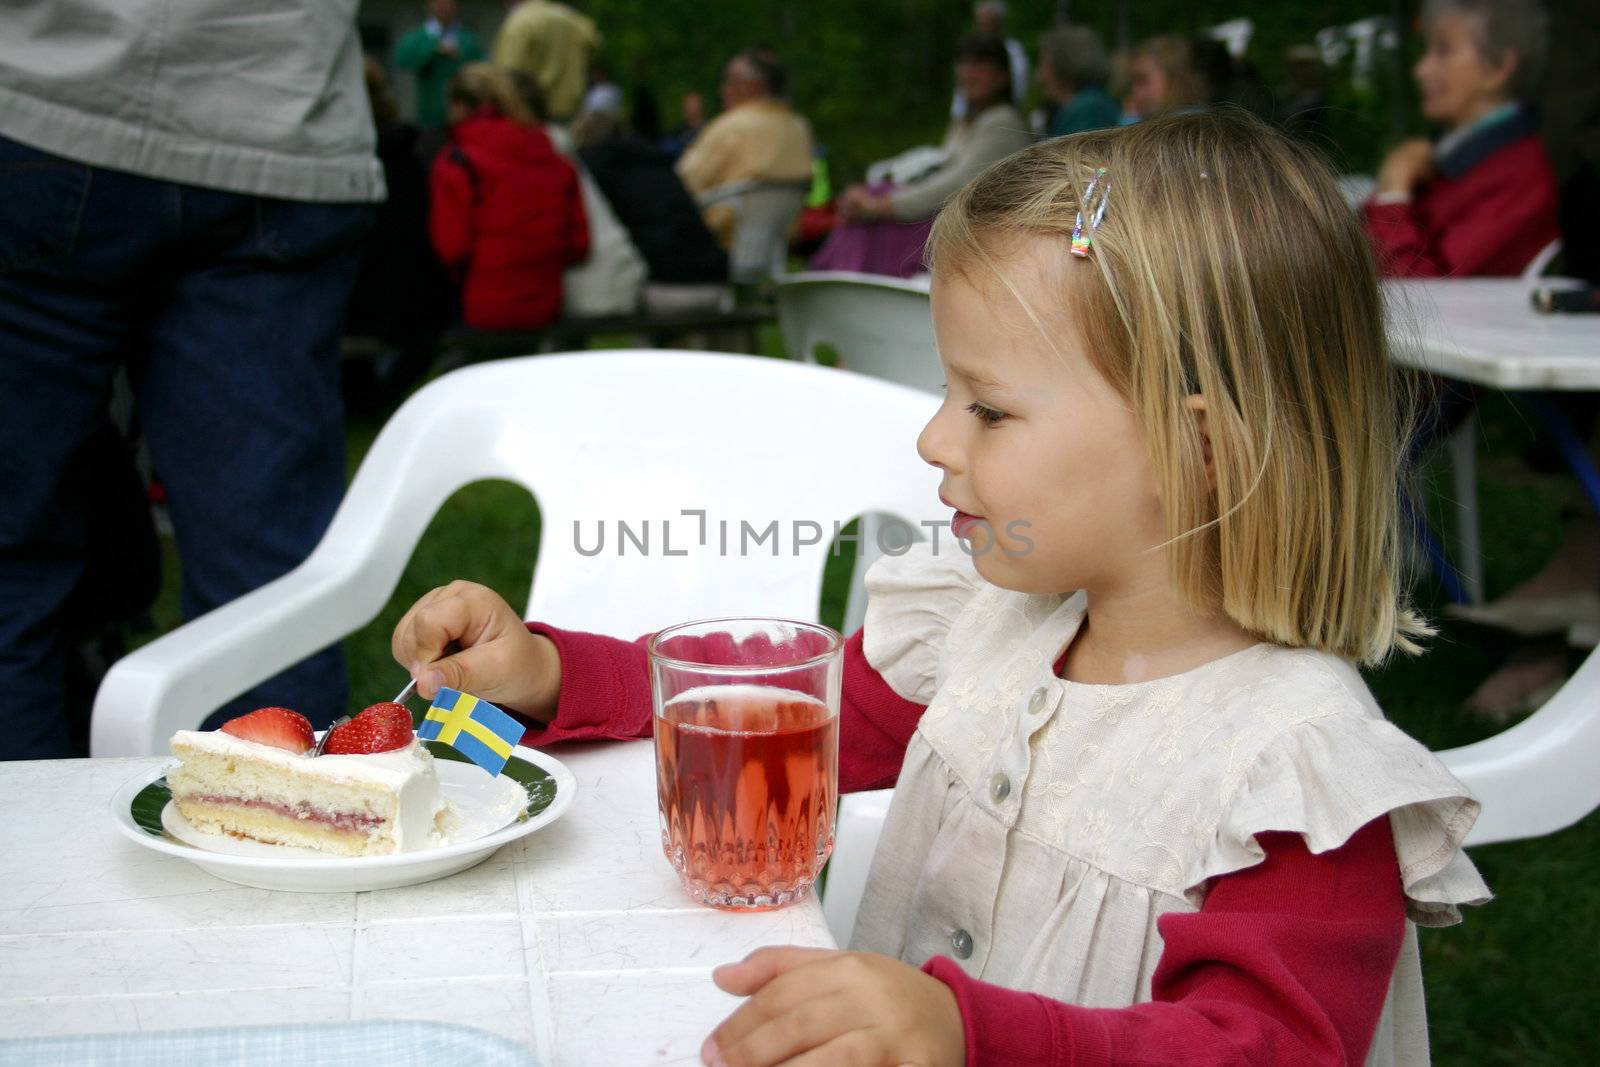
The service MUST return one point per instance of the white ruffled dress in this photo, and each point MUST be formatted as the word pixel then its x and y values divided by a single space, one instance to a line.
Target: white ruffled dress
pixel 1041 826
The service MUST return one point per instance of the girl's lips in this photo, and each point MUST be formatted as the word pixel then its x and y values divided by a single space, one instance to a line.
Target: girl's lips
pixel 962 522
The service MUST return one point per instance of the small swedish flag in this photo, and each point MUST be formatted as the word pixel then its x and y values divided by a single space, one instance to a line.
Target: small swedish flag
pixel 475 728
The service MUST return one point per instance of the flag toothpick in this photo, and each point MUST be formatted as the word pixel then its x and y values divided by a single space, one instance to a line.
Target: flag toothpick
pixel 475 728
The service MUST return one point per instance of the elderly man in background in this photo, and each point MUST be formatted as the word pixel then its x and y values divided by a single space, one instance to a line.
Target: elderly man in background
pixel 552 44
pixel 1073 68
pixel 758 137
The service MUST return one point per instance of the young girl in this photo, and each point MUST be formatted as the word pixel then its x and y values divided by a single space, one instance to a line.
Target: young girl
pixel 1146 810
pixel 507 215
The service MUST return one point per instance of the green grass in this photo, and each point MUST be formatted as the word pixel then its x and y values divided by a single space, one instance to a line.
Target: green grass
pixel 1512 985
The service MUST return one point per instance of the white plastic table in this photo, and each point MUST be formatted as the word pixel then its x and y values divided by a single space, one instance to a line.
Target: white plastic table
pixel 576 941
pixel 1485 330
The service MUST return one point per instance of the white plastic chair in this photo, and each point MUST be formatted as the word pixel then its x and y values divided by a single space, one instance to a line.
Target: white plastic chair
pixel 1540 775
pixel 766 211
pixel 878 326
pixel 1540 264
pixel 637 436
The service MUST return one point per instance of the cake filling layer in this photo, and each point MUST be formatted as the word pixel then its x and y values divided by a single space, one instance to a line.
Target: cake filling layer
pixel 270 827
pixel 339 820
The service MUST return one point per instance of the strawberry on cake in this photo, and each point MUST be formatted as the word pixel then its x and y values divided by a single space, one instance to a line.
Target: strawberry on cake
pixel 372 791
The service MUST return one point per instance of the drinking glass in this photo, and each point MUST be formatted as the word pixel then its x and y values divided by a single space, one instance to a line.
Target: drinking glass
pixel 747 756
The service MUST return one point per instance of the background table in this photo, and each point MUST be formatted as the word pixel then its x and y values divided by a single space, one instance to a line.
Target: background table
pixel 576 942
pixel 1484 330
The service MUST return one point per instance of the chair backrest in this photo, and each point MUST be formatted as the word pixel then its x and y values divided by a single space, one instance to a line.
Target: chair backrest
pixel 771 457
pixel 620 445
pixel 765 212
pixel 1540 264
pixel 879 326
pixel 671 486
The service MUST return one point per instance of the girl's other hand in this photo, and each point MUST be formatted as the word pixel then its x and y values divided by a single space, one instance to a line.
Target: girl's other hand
pixel 465 636
pixel 860 205
pixel 850 203
pixel 812 1007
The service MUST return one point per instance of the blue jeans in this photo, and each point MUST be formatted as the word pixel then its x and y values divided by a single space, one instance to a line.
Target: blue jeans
pixel 226 309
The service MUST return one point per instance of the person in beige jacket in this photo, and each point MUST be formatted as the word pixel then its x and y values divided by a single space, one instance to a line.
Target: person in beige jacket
pixel 554 45
pixel 758 137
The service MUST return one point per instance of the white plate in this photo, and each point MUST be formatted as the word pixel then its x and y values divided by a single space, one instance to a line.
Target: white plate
pixel 488 810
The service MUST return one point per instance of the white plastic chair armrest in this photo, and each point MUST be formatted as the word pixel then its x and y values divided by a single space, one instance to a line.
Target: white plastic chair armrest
pixel 175 681
pixel 1539 264
pixel 1540 775
pixel 734 190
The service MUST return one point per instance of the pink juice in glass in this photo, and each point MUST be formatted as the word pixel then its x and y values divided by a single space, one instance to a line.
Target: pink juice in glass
pixel 747 777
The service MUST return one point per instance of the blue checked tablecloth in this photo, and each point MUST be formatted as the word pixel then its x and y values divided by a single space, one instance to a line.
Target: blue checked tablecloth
pixel 359 1044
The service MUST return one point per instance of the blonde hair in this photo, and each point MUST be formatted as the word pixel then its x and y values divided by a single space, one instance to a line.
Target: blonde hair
pixel 1227 265
pixel 1187 85
pixel 477 85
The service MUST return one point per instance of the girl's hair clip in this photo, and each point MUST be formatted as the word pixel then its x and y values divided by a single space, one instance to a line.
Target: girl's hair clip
pixel 1081 240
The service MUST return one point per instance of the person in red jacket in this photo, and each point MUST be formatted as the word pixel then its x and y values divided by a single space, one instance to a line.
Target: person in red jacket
pixel 507 215
pixel 1482 199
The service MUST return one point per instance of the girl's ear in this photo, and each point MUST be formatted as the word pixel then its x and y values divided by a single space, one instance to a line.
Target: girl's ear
pixel 1197 405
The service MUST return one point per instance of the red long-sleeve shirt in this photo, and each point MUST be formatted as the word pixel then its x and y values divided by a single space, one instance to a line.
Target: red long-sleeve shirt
pixel 1287 962
pixel 1491 220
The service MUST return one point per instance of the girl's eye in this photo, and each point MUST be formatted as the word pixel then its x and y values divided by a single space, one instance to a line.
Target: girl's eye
pixel 987 414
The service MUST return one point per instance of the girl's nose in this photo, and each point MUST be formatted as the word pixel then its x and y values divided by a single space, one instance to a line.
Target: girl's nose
pixel 935 444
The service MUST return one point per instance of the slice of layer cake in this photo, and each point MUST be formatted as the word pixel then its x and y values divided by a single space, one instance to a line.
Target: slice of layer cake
pixel 373 792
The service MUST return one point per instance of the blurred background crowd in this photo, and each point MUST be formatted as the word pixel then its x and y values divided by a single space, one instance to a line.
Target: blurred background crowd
pixel 384 174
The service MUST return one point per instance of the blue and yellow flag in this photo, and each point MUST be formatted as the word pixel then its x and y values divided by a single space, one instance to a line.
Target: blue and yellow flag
pixel 475 728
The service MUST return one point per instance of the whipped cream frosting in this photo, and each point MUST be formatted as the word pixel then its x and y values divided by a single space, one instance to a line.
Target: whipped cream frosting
pixel 393 768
